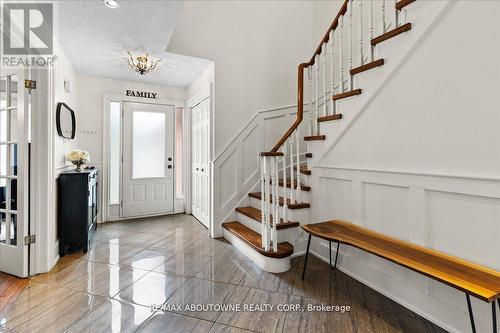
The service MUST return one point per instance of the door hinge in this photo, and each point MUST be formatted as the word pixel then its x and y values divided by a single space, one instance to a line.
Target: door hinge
pixel 30 239
pixel 30 84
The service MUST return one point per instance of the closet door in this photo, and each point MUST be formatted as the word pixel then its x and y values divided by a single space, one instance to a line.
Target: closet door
pixel 200 164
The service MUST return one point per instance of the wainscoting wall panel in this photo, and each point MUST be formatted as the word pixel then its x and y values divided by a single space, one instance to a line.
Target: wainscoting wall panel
pixel 458 215
pixel 236 168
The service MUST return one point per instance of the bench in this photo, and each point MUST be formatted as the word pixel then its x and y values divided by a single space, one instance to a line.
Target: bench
pixel 474 280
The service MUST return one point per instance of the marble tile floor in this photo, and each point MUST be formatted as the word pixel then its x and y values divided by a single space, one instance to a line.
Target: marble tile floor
pixel 172 261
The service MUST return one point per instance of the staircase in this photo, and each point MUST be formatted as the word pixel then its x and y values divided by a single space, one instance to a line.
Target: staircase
pixel 268 230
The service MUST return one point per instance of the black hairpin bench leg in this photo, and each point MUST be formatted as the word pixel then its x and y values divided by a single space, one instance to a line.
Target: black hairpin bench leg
pixel 471 315
pixel 336 254
pixel 494 316
pixel 307 254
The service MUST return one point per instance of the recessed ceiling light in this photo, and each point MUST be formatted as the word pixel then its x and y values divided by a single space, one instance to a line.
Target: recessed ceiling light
pixel 111 3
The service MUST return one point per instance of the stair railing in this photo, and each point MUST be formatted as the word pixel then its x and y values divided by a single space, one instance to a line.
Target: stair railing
pixel 337 47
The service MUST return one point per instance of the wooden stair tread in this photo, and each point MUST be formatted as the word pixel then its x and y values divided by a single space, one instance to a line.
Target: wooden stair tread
pixel 481 282
pixel 304 170
pixel 254 240
pixel 314 137
pixel 289 184
pixel 365 67
pixel 403 3
pixel 298 205
pixel 391 33
pixel 330 117
pixel 346 94
pixel 256 214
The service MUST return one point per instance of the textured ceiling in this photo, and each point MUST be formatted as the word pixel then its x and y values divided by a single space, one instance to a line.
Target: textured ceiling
pixel 96 40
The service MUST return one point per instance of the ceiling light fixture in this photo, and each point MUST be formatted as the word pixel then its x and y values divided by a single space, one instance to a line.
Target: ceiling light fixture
pixel 142 64
pixel 111 3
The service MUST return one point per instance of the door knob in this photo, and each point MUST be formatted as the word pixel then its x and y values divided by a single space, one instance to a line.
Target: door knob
pixel 197 169
pixel 169 159
pixel 202 169
pixel 169 166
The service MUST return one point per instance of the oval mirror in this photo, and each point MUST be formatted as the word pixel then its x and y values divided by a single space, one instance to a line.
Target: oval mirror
pixel 65 121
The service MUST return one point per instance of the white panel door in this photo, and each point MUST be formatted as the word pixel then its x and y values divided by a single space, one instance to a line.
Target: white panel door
pixel 148 165
pixel 14 161
pixel 199 156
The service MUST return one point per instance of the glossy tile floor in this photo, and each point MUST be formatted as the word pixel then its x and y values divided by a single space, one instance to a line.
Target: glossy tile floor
pixel 172 260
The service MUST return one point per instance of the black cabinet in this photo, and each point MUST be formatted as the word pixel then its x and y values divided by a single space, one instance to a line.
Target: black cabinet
pixel 77 209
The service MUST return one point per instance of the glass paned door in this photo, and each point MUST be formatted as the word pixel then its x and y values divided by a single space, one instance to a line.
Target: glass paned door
pixel 13 162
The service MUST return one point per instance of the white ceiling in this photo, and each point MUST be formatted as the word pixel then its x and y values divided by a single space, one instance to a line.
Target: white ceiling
pixel 96 40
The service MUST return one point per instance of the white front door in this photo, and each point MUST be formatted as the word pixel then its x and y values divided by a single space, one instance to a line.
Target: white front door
pixel 14 201
pixel 148 159
pixel 200 116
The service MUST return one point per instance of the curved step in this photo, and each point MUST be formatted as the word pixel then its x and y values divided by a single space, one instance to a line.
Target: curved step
pixel 256 214
pixel 253 239
pixel 299 205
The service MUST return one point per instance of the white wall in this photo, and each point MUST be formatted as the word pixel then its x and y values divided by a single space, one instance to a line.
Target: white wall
pixel 63 70
pixel 256 46
pixel 422 164
pixel 90 107
pixel 324 11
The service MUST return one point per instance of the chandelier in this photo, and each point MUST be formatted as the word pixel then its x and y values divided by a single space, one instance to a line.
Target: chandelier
pixel 142 64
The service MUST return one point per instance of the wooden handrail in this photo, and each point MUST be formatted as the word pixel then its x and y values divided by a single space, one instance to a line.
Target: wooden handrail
pixel 300 79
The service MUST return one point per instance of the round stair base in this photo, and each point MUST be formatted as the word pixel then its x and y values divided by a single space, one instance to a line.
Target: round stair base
pixel 271 265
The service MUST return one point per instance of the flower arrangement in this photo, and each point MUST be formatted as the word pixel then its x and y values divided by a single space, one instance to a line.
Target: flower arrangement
pixel 78 157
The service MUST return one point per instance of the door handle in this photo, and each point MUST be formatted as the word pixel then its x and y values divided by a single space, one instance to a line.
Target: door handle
pixel 197 169
pixel 169 159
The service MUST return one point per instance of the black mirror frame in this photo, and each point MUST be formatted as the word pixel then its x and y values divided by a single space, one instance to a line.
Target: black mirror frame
pixel 58 120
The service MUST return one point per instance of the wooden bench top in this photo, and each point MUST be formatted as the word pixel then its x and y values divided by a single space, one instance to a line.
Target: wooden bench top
pixel 473 279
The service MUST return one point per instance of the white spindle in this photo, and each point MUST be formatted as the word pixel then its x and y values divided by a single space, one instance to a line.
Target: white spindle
pixel 332 70
pixel 316 63
pixel 350 42
pixel 382 17
pixel 341 52
pixel 274 202
pixel 299 189
pixel 323 53
pixel 396 13
pixel 266 197
pixel 262 201
pixel 361 53
pixel 311 118
pixel 285 196
pixel 292 182
pixel 370 29
pixel 276 216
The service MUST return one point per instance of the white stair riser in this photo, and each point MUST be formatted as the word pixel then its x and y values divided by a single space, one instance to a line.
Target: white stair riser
pixel 294 215
pixel 284 235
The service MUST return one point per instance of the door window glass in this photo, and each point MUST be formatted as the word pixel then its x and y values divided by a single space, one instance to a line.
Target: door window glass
pixel 148 145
